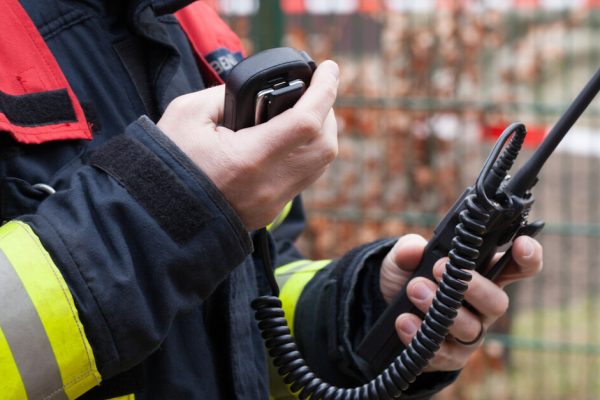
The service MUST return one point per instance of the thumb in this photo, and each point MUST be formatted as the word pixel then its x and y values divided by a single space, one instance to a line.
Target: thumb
pixel 322 92
pixel 399 264
pixel 407 252
pixel 305 120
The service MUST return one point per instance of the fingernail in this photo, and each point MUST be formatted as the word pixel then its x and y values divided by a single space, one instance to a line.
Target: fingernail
pixel 421 292
pixel 408 327
pixel 527 248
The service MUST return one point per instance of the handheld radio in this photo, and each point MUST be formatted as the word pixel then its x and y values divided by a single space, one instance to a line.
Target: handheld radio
pixel 265 85
pixel 488 215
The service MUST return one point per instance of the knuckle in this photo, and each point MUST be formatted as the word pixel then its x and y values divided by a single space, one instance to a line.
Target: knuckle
pixel 443 359
pixel 538 258
pixel 330 152
pixel 179 102
pixel 308 123
pixel 330 92
pixel 473 329
pixel 501 306
pixel 248 169
pixel 264 199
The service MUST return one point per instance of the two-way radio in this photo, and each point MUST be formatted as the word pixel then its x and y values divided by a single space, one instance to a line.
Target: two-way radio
pixel 488 215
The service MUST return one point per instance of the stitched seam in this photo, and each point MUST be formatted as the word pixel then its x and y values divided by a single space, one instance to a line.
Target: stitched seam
pixel 111 359
pixel 62 23
pixel 40 52
pixel 69 384
pixel 87 373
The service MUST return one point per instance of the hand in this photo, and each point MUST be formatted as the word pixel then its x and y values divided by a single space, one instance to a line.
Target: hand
pixel 486 296
pixel 259 169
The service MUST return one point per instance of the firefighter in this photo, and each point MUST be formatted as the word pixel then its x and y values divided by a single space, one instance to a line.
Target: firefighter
pixel 126 258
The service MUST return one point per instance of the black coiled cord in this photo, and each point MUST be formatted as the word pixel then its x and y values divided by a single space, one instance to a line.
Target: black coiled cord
pixel 405 369
pixel 504 163
pixel 397 377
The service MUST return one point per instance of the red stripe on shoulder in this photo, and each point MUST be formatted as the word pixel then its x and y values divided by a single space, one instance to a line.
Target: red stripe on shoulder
pixel 216 46
pixel 37 104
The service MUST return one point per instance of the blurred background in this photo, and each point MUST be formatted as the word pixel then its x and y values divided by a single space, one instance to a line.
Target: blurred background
pixel 426 88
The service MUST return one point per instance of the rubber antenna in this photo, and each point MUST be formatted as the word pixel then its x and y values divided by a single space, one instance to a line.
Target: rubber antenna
pixel 526 177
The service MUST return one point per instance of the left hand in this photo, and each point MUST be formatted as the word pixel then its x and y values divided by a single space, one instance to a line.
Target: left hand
pixel 486 296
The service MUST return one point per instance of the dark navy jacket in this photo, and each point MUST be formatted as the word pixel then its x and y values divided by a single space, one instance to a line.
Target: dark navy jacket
pixel 159 265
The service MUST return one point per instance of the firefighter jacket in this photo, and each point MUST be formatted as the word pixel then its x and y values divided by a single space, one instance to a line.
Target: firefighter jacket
pixel 123 270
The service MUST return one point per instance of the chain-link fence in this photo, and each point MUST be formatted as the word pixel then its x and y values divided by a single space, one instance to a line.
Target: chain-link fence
pixel 426 88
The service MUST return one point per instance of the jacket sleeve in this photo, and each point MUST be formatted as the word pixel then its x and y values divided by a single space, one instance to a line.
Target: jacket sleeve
pixel 92 281
pixel 331 305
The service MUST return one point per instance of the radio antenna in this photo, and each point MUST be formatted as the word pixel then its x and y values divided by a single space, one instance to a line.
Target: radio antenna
pixel 525 178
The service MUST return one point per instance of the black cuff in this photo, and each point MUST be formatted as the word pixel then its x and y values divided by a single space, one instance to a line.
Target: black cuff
pixel 164 180
pixel 366 305
pixel 192 176
pixel 158 190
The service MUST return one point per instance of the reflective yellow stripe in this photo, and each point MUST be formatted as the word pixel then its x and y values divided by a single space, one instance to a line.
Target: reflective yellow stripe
pixel 283 273
pixel 11 385
pixel 296 280
pixel 281 217
pixel 291 278
pixel 54 305
pixel 26 337
pixel 128 397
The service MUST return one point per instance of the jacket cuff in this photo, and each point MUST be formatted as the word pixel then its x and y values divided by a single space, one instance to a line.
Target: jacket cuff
pixel 148 134
pixel 332 311
pixel 180 198
pixel 362 308
pixel 363 304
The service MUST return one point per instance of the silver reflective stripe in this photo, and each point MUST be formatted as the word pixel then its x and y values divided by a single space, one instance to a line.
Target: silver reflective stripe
pixel 282 277
pixel 27 338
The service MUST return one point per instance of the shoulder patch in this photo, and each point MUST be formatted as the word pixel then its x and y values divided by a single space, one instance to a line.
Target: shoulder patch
pixel 216 46
pixel 223 60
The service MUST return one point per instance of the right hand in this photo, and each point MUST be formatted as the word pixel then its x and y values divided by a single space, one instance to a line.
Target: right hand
pixel 259 169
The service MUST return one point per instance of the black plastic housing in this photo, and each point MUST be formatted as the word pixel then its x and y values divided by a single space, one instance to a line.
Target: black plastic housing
pixel 258 72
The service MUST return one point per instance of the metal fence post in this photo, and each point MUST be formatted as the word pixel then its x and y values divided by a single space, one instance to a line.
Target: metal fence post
pixel 268 24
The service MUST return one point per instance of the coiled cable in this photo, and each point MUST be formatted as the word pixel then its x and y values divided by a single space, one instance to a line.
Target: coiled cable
pixel 462 259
